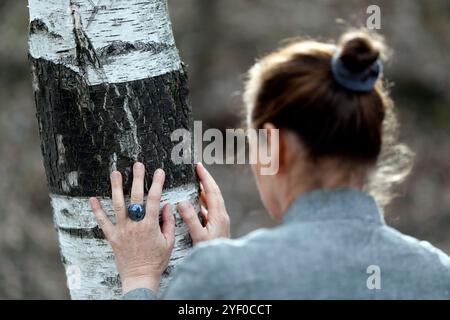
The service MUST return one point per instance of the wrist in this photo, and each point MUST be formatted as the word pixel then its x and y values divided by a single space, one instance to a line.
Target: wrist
pixel 147 282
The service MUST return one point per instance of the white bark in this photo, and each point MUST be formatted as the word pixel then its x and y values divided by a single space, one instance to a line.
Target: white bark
pixel 91 269
pixel 146 24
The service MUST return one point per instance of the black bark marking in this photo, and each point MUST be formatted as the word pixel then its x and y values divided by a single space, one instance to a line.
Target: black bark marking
pixel 116 48
pixel 186 241
pixel 39 26
pixel 84 48
pixel 82 127
pixel 112 282
pixel 168 270
pixel 93 233
pixel 66 213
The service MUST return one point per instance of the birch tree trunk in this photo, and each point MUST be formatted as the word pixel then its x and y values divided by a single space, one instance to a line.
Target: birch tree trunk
pixel 109 89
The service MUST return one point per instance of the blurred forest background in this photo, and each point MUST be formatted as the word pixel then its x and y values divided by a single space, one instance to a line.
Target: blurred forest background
pixel 219 40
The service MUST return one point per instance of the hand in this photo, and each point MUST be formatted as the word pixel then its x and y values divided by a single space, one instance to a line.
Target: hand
pixel 215 216
pixel 142 249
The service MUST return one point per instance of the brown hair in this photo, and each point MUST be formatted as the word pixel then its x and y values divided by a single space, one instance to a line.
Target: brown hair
pixel 295 88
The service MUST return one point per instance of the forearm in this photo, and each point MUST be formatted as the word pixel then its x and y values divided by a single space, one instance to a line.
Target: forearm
pixel 140 288
pixel 140 294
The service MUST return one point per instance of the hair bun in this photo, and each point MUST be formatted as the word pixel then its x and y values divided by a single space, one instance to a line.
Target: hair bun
pixel 355 64
pixel 358 51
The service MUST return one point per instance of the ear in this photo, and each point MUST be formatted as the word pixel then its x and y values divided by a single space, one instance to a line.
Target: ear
pixel 288 148
pixel 274 147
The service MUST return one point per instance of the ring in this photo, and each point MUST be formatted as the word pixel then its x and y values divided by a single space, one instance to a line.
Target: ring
pixel 136 212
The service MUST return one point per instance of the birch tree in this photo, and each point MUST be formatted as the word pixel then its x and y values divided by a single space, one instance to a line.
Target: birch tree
pixel 109 89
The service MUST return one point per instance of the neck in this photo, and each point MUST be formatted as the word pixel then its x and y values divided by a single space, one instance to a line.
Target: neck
pixel 328 177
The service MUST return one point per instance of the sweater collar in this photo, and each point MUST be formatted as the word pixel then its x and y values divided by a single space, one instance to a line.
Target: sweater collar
pixel 334 204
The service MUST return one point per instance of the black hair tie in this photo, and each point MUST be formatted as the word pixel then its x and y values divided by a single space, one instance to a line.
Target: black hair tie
pixel 363 81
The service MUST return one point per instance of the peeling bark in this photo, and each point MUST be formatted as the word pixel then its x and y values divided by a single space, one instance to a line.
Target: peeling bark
pixel 109 89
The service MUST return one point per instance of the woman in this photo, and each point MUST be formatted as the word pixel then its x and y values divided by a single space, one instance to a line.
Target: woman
pixel 334 117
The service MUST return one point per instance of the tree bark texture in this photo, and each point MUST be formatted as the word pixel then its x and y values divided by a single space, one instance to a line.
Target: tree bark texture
pixel 109 89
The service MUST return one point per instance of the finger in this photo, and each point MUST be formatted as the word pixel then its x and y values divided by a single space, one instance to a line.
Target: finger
pixel 154 195
pixel 189 216
pixel 102 219
pixel 118 201
pixel 208 183
pixel 212 195
pixel 168 227
pixel 137 188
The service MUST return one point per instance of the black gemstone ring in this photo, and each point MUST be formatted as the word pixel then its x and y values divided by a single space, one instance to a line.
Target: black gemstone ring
pixel 136 212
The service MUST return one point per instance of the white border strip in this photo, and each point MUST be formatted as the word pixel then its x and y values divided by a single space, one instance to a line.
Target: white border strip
pixel 76 213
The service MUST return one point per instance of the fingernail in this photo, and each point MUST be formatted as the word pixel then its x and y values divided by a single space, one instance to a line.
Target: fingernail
pixel 200 165
pixel 115 175
pixel 138 165
pixel 158 173
pixel 93 202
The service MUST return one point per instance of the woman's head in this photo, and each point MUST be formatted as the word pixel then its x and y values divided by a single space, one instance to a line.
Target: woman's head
pixel 329 103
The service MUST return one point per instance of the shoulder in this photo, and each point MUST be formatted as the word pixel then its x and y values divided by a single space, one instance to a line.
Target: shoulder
pixel 211 269
pixel 428 265
pixel 424 249
pixel 287 239
pixel 224 247
pixel 229 255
